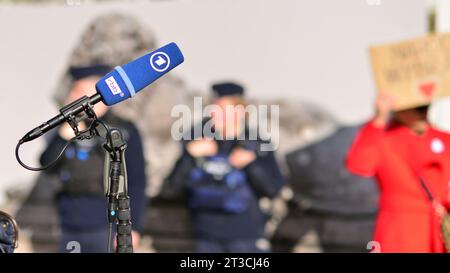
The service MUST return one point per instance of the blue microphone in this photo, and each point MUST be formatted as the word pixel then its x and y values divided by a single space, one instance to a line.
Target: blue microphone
pixel 125 81
pixel 118 85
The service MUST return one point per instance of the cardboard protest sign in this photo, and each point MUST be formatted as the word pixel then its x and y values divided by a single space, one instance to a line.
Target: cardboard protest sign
pixel 413 72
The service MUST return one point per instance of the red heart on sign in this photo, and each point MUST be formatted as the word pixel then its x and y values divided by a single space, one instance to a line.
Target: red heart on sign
pixel 428 89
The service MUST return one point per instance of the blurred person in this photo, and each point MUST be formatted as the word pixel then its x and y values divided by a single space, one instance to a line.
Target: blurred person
pixel 327 199
pixel 224 178
pixel 81 202
pixel 405 153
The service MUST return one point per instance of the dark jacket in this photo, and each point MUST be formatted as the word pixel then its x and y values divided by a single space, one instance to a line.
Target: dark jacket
pixel 81 203
pixel 262 177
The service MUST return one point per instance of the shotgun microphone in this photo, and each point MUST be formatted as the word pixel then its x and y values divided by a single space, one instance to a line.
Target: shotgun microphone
pixel 118 85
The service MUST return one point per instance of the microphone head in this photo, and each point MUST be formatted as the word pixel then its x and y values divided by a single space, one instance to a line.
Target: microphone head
pixel 125 81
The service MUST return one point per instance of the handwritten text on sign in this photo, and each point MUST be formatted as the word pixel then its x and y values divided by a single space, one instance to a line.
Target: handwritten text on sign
pixel 414 72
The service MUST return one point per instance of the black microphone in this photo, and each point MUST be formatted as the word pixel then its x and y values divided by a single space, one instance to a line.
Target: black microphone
pixel 73 109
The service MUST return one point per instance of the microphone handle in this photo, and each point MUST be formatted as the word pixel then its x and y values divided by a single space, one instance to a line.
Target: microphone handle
pixel 71 109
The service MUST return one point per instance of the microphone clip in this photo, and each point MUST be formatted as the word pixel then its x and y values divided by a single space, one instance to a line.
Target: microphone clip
pixel 73 116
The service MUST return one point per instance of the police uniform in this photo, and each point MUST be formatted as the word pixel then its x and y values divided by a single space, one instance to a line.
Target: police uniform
pixel 82 205
pixel 223 200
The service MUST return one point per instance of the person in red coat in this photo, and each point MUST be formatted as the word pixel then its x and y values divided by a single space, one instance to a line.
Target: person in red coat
pixel 399 149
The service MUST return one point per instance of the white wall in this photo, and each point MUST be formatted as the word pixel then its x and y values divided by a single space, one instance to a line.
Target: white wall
pixel 314 50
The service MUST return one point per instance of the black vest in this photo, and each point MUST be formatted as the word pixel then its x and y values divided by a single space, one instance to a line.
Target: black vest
pixel 81 169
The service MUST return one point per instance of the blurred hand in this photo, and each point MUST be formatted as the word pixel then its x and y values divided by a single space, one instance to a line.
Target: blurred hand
pixel 384 106
pixel 66 132
pixel 86 87
pixel 202 147
pixel 240 158
pixel 136 239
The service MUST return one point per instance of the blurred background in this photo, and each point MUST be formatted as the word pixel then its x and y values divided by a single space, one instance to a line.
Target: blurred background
pixel 309 57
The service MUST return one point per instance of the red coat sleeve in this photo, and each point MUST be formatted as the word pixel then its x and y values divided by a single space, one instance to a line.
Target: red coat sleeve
pixel 364 155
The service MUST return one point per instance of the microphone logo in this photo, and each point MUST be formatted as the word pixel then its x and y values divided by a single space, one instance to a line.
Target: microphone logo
pixel 160 61
pixel 113 86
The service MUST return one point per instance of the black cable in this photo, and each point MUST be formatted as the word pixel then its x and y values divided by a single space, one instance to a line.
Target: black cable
pixel 108 135
pixel 51 164
pixel 110 238
pixel 81 135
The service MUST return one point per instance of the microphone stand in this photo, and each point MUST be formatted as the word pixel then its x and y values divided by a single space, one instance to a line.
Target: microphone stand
pixel 115 179
pixel 116 183
pixel 114 172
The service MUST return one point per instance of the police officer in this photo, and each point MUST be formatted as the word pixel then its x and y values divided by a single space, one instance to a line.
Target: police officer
pixel 81 202
pixel 224 176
